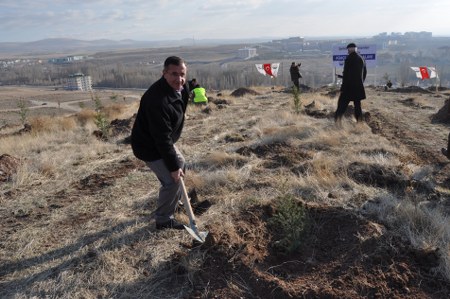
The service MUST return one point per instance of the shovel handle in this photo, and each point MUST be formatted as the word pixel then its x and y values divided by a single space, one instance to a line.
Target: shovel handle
pixel 187 203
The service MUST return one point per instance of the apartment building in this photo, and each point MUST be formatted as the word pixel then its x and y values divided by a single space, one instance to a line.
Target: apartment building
pixel 246 53
pixel 79 81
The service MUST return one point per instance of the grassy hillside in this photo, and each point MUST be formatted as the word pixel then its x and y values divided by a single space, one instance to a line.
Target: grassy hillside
pixel 300 206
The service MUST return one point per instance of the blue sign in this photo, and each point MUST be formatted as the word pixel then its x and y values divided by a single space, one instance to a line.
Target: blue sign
pixel 368 52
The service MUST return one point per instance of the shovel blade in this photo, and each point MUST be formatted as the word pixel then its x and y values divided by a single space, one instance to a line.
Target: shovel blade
pixel 193 231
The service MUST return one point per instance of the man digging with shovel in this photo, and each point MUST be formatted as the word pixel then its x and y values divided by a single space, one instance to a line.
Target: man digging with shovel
pixel 158 126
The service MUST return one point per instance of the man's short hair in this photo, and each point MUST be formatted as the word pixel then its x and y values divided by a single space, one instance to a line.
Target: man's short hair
pixel 173 60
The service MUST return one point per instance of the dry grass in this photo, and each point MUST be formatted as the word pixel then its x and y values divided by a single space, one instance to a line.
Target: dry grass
pixel 50 124
pixel 83 238
pixel 86 116
pixel 424 225
pixel 114 111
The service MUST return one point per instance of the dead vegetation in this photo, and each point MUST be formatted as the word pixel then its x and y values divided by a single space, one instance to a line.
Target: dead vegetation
pixel 76 210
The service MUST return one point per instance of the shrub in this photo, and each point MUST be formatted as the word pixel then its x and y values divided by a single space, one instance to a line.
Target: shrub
pixel 102 124
pixel 297 101
pixel 23 112
pixel 100 119
pixel 42 124
pixel 290 221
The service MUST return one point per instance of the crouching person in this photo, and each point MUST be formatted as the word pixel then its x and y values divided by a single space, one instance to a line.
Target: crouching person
pixel 199 95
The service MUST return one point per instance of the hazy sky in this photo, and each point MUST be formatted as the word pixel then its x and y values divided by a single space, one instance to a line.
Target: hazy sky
pixel 30 20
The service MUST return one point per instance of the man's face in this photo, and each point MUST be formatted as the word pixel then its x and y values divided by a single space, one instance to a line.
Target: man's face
pixel 175 75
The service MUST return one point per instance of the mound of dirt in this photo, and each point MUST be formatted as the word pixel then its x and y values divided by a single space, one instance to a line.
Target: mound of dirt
pixel 443 115
pixel 26 128
pixel 302 88
pixel 122 126
pixel 362 260
pixel 440 88
pixel 332 93
pixel 8 167
pixel 276 154
pixel 118 127
pixel 242 91
pixel 312 110
pixel 377 175
pixel 410 89
pixel 218 102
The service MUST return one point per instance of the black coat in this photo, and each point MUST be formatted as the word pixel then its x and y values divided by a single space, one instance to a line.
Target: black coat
pixel 294 70
pixel 158 124
pixel 354 74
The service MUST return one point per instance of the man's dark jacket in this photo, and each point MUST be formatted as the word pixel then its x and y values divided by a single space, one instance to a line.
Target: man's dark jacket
pixel 295 72
pixel 158 124
pixel 354 74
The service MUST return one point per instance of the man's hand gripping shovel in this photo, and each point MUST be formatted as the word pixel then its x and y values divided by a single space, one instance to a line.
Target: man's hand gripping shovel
pixel 192 228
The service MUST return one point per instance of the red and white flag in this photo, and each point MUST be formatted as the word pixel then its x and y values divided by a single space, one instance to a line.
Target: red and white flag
pixel 425 72
pixel 268 69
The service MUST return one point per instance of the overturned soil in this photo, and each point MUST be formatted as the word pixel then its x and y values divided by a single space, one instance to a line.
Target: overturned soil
pixel 342 256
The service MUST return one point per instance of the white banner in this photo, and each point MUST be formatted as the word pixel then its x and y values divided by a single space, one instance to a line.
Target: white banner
pixel 425 72
pixel 268 69
pixel 368 52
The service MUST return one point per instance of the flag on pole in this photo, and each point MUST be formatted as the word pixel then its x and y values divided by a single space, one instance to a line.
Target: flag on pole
pixel 268 69
pixel 433 73
pixel 425 72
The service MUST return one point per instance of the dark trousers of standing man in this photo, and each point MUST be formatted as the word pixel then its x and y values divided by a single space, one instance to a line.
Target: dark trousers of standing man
pixel 170 192
pixel 342 107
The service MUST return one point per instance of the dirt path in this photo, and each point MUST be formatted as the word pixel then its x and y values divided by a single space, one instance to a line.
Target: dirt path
pixel 69 106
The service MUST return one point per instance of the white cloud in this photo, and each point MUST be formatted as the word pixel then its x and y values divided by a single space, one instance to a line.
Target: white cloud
pixel 164 19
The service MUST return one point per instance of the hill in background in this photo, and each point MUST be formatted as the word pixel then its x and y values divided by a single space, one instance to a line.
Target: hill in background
pixel 70 46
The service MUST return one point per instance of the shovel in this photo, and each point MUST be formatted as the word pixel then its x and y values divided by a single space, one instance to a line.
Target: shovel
pixel 192 228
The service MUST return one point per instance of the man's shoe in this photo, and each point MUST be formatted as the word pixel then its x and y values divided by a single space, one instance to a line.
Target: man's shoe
pixel 172 223
pixel 445 152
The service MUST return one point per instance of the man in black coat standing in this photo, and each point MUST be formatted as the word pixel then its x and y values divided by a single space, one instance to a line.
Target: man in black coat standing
pixel 158 126
pixel 294 71
pixel 352 88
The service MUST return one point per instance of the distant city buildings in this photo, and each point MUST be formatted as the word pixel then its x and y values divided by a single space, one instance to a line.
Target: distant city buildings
pixel 10 63
pixel 407 35
pixel 67 59
pixel 292 44
pixel 299 46
pixel 398 39
pixel 79 81
pixel 246 53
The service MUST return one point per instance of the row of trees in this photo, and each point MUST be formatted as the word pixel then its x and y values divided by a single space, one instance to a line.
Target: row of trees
pixel 119 76
pixel 214 75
